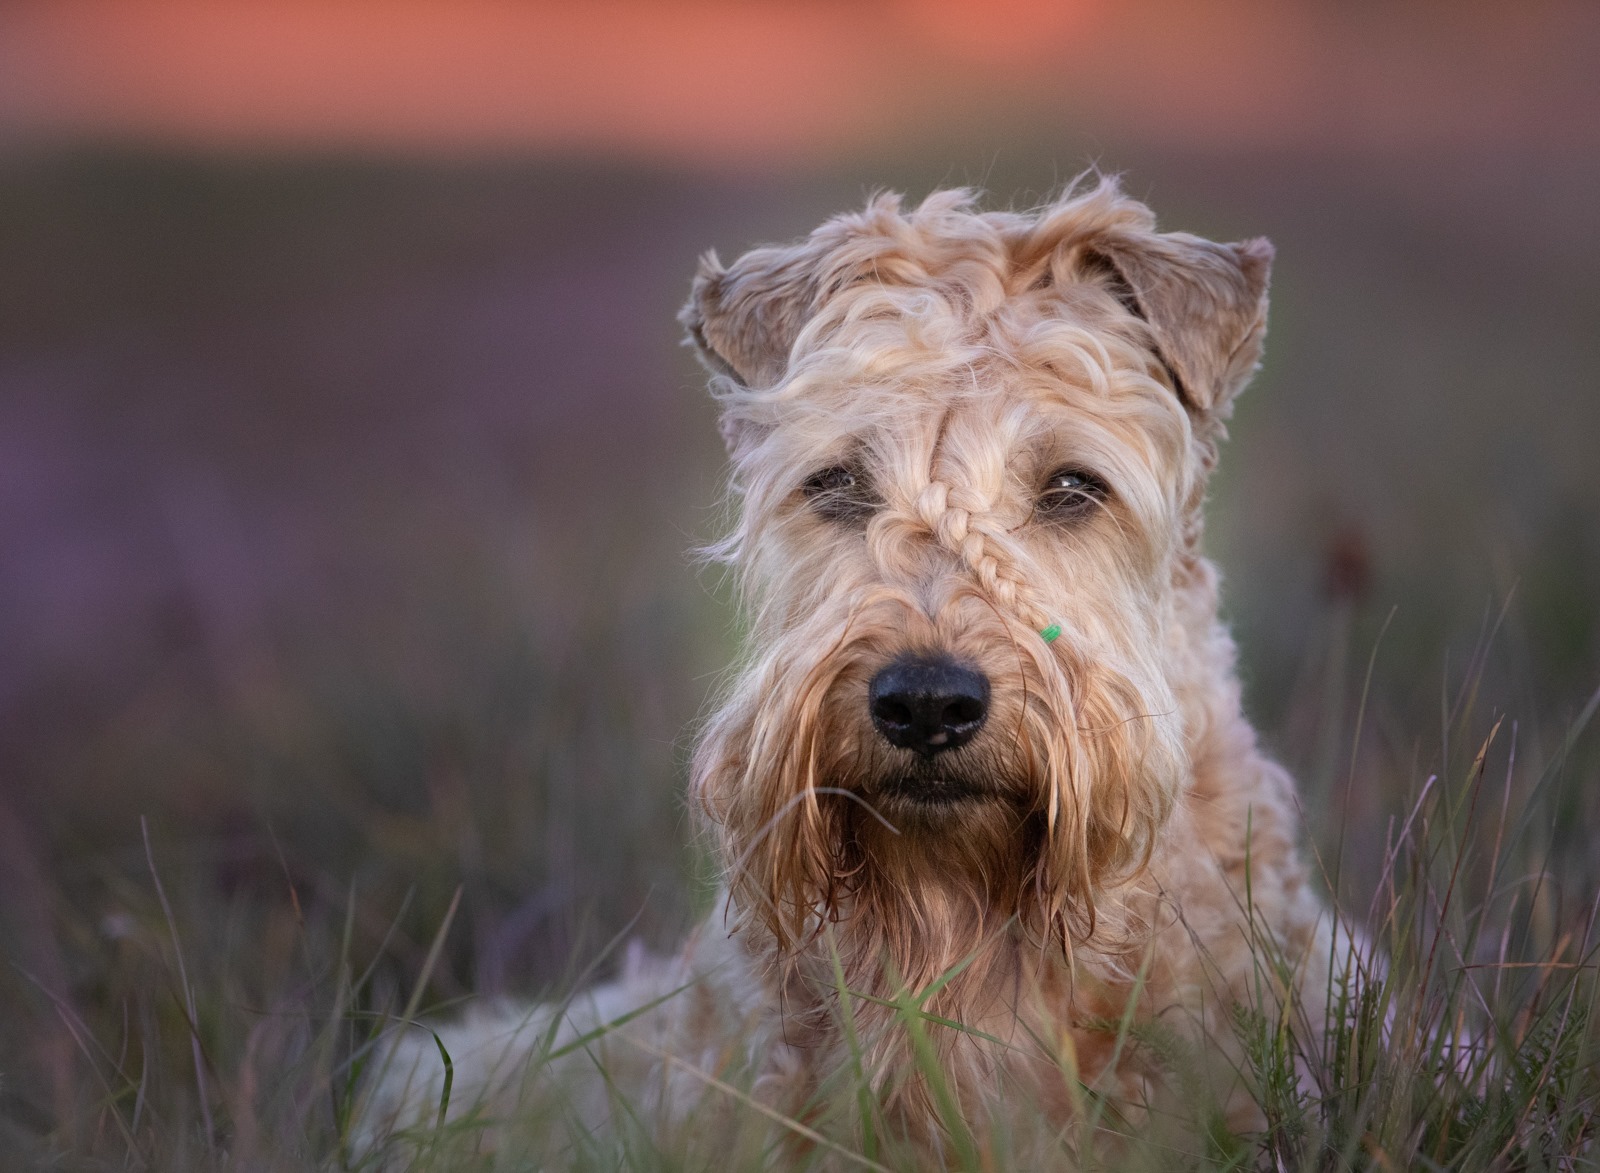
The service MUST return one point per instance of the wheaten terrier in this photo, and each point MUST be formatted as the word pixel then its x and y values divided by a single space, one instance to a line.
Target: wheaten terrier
pixel 996 836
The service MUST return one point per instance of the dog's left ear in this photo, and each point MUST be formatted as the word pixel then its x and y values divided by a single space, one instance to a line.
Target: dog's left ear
pixel 744 319
pixel 1205 304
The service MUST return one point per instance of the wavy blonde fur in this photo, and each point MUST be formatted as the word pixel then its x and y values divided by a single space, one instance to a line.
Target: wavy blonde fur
pixel 1119 845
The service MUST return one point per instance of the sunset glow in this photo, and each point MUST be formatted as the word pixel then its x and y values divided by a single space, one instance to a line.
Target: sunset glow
pixel 730 80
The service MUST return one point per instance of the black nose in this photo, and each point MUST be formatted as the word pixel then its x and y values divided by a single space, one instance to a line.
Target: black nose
pixel 928 703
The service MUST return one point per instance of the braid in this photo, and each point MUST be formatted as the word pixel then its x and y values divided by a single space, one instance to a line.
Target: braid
pixel 966 532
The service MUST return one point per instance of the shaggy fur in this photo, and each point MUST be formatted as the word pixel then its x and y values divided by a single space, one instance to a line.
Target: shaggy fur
pixel 1112 842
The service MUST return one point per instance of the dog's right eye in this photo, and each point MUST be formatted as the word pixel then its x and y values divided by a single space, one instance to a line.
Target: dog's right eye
pixel 1071 492
pixel 840 493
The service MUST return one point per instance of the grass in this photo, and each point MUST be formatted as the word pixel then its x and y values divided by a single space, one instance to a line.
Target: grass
pixel 213 1003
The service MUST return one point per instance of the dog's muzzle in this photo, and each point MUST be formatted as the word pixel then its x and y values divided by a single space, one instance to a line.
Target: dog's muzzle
pixel 928 703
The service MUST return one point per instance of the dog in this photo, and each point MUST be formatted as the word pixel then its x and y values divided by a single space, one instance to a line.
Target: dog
pixel 993 828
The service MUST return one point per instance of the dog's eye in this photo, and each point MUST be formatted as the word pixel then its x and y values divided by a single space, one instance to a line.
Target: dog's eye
pixel 840 493
pixel 1071 491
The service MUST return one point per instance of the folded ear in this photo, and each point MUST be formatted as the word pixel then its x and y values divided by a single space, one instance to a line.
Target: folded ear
pixel 1205 304
pixel 744 319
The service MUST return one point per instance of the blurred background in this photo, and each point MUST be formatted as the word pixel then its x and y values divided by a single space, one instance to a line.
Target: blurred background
pixel 350 467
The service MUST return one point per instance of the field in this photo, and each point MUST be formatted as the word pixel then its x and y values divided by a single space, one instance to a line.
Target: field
pixel 351 642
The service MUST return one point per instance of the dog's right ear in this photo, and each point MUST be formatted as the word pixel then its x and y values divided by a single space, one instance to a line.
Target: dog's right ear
pixel 743 320
pixel 1205 304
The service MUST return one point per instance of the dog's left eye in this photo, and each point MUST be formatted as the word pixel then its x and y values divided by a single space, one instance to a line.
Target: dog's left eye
pixel 1071 491
pixel 840 493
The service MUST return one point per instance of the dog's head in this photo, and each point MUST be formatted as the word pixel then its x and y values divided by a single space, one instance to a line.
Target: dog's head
pixel 970 452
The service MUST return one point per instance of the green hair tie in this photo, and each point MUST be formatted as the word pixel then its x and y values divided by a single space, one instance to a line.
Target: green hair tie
pixel 1051 633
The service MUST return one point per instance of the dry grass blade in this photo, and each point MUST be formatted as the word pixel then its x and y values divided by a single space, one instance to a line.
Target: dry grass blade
pixel 749 1101
pixel 188 990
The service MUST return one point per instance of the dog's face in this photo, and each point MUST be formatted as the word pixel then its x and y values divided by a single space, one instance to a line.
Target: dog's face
pixel 970 451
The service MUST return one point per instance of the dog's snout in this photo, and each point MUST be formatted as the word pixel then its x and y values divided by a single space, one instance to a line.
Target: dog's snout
pixel 928 703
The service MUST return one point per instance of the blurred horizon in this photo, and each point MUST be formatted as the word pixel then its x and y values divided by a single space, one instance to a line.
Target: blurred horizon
pixel 758 83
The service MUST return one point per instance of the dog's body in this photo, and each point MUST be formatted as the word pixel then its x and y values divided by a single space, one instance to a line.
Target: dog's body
pixel 984 795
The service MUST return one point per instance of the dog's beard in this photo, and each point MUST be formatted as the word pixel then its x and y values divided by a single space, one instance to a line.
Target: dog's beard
pixel 821 822
pixel 902 875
